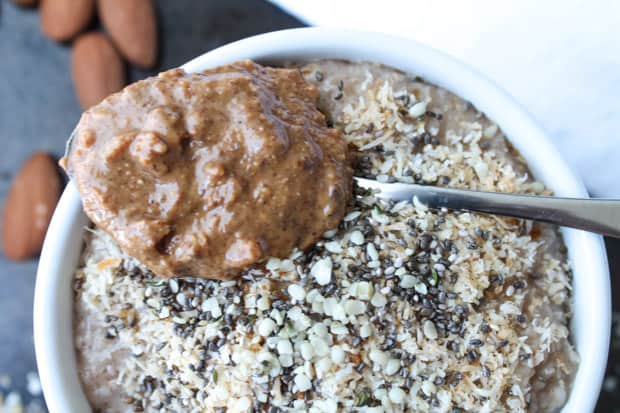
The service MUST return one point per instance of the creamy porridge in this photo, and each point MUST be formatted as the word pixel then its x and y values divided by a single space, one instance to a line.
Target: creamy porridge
pixel 399 308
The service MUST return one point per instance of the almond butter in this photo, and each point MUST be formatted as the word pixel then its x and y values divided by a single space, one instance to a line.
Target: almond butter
pixel 96 68
pixel 29 206
pixel 61 20
pixel 133 28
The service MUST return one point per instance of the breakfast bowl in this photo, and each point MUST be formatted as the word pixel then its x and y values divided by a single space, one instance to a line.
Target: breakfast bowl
pixel 590 300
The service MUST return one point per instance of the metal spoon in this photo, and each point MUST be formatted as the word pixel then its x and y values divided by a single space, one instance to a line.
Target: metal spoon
pixel 595 215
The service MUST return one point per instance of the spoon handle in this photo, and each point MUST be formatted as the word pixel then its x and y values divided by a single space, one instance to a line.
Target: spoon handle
pixel 595 215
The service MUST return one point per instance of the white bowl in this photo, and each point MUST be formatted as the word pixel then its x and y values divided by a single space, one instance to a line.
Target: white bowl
pixel 591 299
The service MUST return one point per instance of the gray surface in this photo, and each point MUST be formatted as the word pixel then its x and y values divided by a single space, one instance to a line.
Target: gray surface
pixel 38 110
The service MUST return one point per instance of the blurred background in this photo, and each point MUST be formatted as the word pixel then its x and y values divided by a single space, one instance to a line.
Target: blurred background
pixel 560 59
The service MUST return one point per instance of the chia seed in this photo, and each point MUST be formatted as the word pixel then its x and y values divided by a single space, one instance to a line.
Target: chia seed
pixel 475 342
pixel 472 355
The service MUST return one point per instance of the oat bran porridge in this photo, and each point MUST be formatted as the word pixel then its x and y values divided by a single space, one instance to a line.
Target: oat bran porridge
pixel 399 308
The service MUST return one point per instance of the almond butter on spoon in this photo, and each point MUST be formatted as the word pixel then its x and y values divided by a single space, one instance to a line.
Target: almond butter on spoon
pixel 206 174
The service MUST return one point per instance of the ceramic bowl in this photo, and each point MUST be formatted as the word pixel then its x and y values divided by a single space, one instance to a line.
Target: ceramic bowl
pixel 591 288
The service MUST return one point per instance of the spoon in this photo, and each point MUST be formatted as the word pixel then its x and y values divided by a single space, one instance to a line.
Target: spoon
pixel 595 215
pixel 601 216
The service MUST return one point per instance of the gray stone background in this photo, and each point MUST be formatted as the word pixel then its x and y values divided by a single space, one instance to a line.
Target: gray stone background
pixel 38 111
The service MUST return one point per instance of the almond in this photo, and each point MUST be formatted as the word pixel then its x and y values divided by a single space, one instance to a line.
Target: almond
pixel 62 20
pixel 133 28
pixel 97 69
pixel 29 206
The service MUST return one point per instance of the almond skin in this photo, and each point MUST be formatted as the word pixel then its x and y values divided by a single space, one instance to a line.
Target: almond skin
pixel 29 206
pixel 133 28
pixel 96 68
pixel 61 20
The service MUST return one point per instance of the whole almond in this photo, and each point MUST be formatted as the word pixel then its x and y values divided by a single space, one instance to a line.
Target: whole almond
pixel 62 20
pixel 96 68
pixel 133 28
pixel 29 206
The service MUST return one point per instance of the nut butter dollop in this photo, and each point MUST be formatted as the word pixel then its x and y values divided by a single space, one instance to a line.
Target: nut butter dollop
pixel 205 174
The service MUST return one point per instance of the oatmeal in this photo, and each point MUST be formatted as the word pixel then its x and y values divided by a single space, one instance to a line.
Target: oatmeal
pixel 397 308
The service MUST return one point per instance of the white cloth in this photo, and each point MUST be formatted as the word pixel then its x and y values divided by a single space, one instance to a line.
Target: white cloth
pixel 559 58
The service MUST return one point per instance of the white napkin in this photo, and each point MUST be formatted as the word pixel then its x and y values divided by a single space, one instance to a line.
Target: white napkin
pixel 558 58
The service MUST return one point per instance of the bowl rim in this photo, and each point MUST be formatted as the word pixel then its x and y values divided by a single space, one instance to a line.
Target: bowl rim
pixel 591 325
